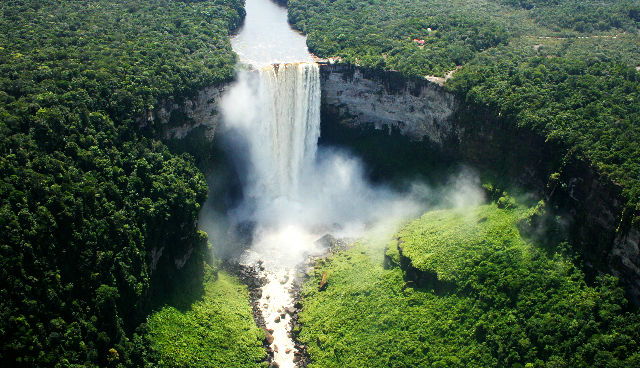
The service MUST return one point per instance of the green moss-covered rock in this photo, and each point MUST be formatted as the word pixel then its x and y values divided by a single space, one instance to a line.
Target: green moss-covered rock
pixel 447 241
pixel 511 304
pixel 367 318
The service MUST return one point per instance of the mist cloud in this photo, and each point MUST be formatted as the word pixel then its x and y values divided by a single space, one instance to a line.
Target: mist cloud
pixel 330 193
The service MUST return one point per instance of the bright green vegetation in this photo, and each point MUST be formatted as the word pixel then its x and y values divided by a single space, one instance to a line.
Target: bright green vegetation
pixel 564 69
pixel 587 102
pixel 447 242
pixel 216 331
pixel 85 195
pixel 493 299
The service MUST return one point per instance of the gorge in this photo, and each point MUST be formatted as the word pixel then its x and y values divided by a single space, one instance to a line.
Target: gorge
pixel 293 194
pixel 429 116
pixel 290 190
pixel 185 185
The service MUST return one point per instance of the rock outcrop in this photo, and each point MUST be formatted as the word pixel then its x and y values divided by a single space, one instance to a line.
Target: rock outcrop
pixel 625 257
pixel 176 119
pixel 426 112
pixel 418 108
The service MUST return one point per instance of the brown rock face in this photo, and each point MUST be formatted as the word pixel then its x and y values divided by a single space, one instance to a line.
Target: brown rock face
pixel 323 282
pixel 269 337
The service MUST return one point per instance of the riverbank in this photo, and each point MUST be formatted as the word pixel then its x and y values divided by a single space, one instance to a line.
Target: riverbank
pixel 217 330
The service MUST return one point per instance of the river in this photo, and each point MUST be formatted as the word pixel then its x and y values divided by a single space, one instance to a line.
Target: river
pixel 266 37
pixel 294 193
pixel 276 110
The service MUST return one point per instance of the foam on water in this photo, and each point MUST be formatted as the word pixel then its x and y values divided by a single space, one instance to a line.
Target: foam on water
pixel 293 194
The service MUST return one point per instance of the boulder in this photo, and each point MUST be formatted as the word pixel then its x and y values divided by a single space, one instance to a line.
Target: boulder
pixel 268 336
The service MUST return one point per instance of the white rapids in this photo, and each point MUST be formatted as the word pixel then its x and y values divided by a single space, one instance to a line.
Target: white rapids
pixel 284 140
pixel 275 108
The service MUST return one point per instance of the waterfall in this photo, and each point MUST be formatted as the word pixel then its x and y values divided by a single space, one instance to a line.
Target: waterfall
pixel 291 198
pixel 275 110
pixel 275 113
pixel 283 135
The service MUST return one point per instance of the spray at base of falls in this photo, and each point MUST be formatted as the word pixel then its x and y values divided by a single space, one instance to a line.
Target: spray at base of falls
pixel 276 109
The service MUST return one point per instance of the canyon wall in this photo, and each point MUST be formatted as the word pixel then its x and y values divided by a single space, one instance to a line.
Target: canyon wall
pixel 416 107
pixel 185 124
pixel 426 114
pixel 364 99
pixel 175 119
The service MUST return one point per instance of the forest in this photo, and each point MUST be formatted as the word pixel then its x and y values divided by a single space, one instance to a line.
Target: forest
pixel 462 288
pixel 565 69
pixel 86 197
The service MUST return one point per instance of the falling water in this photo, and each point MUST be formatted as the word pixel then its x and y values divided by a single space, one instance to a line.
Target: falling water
pixel 275 109
pixel 284 138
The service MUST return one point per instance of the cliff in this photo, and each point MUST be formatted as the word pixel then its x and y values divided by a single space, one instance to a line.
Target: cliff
pixel 438 128
pixel 175 119
pixel 592 206
pixel 418 108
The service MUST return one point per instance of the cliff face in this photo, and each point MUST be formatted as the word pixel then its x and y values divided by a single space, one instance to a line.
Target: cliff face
pixel 600 222
pixel 359 98
pixel 416 107
pixel 177 119
pixel 185 125
pixel 625 257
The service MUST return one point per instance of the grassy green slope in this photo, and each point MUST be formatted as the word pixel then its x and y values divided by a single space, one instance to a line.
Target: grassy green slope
pixel 216 331
pixel 367 318
pixel 510 304
pixel 446 241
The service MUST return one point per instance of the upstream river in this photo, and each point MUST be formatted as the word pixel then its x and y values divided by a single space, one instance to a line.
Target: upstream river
pixel 294 193
pixel 267 38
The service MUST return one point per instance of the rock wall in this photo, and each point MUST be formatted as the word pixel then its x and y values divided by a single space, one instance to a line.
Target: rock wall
pixel 418 108
pixel 181 122
pixel 428 114
pixel 176 119
pixel 625 259
pixel 593 205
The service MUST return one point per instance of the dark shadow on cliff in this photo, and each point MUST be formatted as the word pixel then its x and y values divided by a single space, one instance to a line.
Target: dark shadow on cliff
pixel 174 282
pixel 388 155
